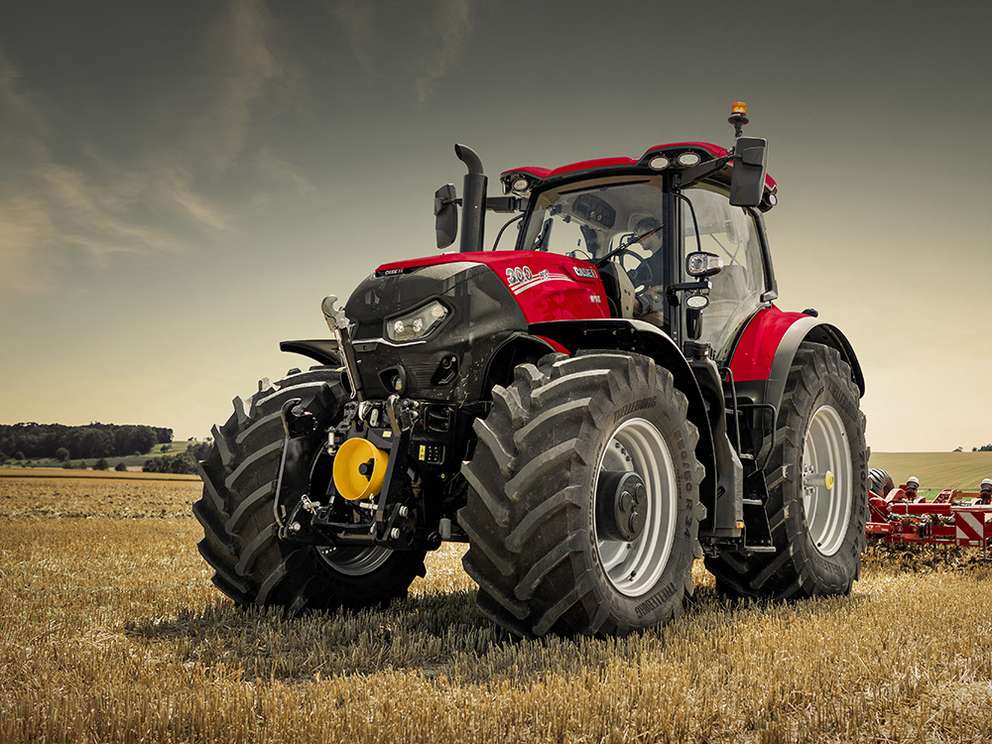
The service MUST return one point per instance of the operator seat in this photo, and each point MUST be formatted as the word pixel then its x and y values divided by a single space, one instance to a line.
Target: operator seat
pixel 620 293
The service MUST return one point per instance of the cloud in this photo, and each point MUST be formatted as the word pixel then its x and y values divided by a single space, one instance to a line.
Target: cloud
pixel 452 23
pixel 181 189
pixel 244 65
pixel 280 176
pixel 25 227
pixel 446 29
pixel 100 217
pixel 196 207
pixel 358 19
pixel 24 231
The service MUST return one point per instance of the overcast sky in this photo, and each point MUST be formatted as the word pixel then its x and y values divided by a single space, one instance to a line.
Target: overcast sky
pixel 180 185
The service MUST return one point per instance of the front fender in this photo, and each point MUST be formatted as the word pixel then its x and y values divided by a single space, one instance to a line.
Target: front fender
pixel 517 348
pixel 323 350
pixel 644 338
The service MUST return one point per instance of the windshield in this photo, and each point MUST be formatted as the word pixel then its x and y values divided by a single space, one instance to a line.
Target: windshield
pixel 590 219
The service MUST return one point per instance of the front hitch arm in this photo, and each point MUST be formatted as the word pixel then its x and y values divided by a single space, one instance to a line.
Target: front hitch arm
pixel 338 324
pixel 293 478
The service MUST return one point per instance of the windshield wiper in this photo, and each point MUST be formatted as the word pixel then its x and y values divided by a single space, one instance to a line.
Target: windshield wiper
pixel 541 241
pixel 623 246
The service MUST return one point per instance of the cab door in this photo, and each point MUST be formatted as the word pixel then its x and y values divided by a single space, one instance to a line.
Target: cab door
pixel 743 286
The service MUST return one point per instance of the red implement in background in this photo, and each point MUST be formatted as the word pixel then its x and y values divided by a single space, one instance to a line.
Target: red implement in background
pixel 953 518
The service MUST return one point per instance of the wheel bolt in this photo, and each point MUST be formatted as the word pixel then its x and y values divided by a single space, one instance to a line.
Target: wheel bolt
pixel 395 533
pixel 625 501
pixel 632 522
pixel 404 511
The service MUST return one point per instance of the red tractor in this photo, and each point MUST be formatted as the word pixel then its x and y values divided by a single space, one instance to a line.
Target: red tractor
pixel 603 396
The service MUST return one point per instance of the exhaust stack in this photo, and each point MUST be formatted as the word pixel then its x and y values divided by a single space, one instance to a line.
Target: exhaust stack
pixel 473 200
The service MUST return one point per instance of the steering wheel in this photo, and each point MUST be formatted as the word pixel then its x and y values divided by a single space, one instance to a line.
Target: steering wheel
pixel 641 274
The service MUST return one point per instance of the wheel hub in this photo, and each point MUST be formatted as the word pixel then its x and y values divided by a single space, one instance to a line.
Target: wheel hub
pixel 827 480
pixel 635 533
pixel 620 501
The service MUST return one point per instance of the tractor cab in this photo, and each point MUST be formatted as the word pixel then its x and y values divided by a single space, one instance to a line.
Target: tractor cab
pixel 651 259
pixel 676 235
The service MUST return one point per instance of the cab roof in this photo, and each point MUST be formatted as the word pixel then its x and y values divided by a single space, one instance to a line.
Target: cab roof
pixel 538 175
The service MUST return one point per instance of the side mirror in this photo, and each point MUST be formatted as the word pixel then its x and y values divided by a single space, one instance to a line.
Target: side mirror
pixel 747 180
pixel 445 215
pixel 701 264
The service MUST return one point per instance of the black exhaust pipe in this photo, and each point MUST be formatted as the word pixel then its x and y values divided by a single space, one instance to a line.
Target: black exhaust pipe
pixel 473 200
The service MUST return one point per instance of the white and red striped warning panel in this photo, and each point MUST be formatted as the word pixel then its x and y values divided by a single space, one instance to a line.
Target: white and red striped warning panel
pixel 973 526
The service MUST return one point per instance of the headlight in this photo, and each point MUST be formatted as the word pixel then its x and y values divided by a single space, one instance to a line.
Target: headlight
pixel 417 324
pixel 659 162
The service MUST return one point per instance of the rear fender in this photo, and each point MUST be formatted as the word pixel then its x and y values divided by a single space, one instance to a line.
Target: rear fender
pixel 767 348
pixel 644 338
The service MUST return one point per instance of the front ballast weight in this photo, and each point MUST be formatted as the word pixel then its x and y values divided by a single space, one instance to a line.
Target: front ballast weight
pixel 377 455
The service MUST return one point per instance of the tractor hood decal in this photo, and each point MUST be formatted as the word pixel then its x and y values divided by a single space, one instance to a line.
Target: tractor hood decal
pixel 546 286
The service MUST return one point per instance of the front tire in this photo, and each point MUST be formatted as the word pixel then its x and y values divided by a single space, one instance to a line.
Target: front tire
pixel 817 529
pixel 548 556
pixel 251 564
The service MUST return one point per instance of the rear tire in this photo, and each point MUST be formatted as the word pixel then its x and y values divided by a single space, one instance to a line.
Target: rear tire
pixel 241 544
pixel 531 513
pixel 818 553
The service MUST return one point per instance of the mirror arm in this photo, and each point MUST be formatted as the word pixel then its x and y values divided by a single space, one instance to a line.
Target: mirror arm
pixel 689 176
pixel 506 204
pixel 442 203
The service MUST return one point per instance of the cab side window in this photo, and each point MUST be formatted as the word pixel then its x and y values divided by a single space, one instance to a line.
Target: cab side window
pixel 729 232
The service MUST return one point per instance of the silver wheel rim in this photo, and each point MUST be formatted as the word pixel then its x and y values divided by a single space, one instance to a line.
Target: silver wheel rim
pixel 828 480
pixel 634 567
pixel 355 562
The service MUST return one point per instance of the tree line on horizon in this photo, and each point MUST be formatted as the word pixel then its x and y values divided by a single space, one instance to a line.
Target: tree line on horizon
pixel 34 441
pixel 184 462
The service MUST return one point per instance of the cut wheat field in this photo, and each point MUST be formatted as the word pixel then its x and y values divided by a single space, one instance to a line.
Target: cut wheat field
pixel 937 470
pixel 110 631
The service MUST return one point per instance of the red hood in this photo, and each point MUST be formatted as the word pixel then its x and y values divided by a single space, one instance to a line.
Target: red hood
pixel 489 258
pixel 547 286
